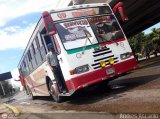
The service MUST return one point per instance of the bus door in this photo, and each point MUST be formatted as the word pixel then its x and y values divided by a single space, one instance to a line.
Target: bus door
pixel 47 40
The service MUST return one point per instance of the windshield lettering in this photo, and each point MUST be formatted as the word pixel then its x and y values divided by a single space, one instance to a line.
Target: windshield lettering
pixel 74 23
pixel 83 12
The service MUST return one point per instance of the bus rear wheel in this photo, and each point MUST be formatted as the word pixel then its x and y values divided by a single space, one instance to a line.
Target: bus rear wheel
pixel 54 92
pixel 31 94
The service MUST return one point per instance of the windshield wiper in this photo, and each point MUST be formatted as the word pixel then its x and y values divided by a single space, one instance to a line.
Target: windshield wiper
pixel 87 39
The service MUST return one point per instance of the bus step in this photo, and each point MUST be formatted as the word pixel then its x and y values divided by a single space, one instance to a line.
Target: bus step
pixel 65 94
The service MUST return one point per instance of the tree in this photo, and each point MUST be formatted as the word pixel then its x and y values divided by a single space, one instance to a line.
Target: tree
pixel 7 87
pixel 141 43
pixel 137 41
pixel 155 37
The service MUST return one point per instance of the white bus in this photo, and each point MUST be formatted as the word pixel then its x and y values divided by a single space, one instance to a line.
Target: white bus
pixel 90 44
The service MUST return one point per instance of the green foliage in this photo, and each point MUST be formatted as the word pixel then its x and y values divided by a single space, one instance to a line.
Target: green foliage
pixel 137 41
pixel 7 87
pixel 149 42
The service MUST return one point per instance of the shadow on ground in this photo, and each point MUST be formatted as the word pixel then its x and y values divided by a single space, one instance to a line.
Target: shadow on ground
pixel 115 90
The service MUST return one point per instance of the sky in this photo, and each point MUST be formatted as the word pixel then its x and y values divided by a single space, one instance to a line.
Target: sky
pixel 17 22
pixel 149 30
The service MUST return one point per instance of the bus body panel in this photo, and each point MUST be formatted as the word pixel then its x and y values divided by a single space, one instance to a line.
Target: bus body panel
pixel 36 81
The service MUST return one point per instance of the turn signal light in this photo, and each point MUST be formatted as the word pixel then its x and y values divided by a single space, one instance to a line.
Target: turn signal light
pixel 103 64
pixel 111 61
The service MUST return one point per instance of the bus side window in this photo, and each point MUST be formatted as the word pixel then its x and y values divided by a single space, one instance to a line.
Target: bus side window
pixel 29 59
pixel 38 53
pixel 27 67
pixel 33 60
pixel 42 47
pixel 21 70
pixel 28 63
pixel 34 53
pixel 24 68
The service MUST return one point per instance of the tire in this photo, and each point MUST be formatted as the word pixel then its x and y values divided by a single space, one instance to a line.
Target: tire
pixel 54 92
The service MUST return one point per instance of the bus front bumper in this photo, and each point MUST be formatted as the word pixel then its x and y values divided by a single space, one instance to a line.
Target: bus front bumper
pixel 101 74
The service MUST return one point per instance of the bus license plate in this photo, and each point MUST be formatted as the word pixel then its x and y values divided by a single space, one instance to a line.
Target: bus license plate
pixel 110 71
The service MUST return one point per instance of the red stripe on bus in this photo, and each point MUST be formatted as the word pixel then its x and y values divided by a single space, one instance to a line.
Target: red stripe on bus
pixel 97 76
pixel 118 40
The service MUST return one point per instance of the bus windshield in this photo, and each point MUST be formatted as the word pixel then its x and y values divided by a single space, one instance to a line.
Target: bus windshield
pixel 88 31
pixel 75 34
pixel 105 28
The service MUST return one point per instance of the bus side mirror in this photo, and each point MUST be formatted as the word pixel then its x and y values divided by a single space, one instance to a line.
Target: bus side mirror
pixel 48 22
pixel 119 7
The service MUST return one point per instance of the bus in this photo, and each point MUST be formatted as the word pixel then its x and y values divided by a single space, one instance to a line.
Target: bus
pixel 90 47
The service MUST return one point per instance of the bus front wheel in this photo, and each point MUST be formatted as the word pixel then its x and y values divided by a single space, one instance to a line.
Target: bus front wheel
pixel 54 92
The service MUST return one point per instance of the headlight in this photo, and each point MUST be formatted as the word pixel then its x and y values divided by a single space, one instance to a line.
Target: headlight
pixel 126 55
pixel 80 69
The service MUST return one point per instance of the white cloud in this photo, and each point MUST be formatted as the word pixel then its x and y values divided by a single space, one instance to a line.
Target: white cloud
pixel 18 39
pixel 12 29
pixel 15 8
pixel 15 36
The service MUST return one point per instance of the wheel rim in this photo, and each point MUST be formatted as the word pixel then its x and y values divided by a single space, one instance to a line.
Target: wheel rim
pixel 52 90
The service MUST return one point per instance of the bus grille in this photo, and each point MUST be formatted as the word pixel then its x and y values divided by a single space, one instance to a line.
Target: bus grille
pixel 102 54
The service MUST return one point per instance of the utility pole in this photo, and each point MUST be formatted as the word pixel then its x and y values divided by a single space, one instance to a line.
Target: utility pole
pixel 2 88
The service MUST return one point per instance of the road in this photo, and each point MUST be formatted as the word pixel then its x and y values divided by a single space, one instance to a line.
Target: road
pixel 136 92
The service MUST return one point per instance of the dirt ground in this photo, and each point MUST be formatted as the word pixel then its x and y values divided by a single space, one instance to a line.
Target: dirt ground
pixel 137 92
